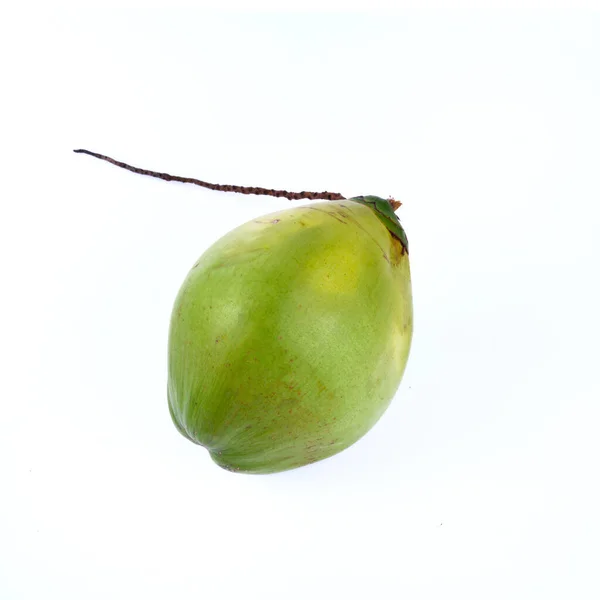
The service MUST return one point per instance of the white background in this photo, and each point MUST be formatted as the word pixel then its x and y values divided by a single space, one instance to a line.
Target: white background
pixel 481 480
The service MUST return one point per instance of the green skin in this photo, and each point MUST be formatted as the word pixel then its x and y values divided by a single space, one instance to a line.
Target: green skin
pixel 290 336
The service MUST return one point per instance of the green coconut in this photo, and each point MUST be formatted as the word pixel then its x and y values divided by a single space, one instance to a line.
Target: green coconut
pixel 290 335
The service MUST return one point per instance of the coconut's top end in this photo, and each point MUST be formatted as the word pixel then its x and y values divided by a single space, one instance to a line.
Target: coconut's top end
pixel 384 209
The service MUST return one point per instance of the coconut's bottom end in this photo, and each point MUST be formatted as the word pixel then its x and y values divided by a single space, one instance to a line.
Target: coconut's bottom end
pixel 255 466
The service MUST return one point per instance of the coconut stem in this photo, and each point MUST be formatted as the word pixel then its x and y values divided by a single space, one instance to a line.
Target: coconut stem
pixel 216 186
pixel 259 191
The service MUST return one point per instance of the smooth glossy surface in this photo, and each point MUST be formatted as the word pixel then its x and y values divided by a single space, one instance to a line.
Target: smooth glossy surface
pixel 289 337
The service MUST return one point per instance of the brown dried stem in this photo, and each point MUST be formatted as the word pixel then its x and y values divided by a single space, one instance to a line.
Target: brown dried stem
pixel 216 186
